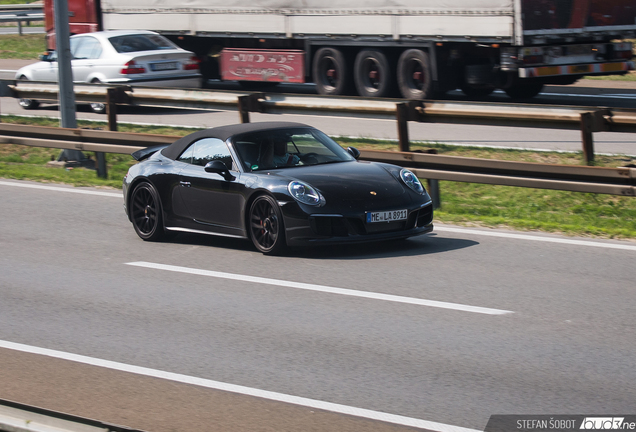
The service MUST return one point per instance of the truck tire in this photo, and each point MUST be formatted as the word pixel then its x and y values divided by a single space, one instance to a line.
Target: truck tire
pixel 524 90
pixel 372 74
pixel 331 72
pixel 414 75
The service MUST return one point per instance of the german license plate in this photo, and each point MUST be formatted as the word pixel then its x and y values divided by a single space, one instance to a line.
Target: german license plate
pixel 386 216
pixel 163 66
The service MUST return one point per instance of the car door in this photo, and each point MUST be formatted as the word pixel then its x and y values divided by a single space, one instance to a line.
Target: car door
pixel 211 200
pixel 86 51
pixel 46 70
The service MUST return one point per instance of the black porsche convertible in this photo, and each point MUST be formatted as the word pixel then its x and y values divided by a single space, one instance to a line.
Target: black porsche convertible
pixel 278 184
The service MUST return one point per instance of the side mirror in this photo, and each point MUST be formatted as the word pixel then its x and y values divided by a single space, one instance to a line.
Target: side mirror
pixel 354 152
pixel 48 57
pixel 218 167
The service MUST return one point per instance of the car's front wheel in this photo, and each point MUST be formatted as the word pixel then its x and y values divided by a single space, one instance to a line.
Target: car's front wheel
pixel 146 216
pixel 27 104
pixel 266 226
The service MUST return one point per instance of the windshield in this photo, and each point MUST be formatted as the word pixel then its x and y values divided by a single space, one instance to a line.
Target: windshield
pixel 284 148
pixel 140 42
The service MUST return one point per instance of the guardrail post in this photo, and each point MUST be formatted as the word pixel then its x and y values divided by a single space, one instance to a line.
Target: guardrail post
pixel 249 103
pixel 587 128
pixel 243 109
pixel 402 116
pixel 433 191
pixel 111 108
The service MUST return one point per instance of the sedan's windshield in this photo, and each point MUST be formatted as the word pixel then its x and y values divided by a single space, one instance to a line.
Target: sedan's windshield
pixel 140 42
pixel 284 148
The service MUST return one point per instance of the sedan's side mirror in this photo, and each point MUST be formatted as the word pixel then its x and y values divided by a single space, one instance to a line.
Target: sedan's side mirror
pixel 49 56
pixel 354 152
pixel 218 167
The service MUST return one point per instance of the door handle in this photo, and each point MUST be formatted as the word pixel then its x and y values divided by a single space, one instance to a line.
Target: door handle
pixel 185 183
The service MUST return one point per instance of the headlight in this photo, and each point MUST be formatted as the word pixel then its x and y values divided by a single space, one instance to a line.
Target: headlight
pixel 305 194
pixel 411 181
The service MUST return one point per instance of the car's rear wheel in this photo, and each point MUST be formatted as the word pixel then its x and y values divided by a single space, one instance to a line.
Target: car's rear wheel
pixel 266 226
pixel 98 108
pixel 145 207
pixel 27 104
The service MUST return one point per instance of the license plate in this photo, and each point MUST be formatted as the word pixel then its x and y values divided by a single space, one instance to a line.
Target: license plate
pixel 163 66
pixel 386 216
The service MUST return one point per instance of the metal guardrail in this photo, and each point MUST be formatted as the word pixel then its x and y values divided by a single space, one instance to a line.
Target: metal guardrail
pixel 587 120
pixel 614 181
pixel 20 14
pixel 17 417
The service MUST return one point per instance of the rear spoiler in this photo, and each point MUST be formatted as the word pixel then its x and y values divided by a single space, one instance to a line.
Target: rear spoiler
pixel 142 154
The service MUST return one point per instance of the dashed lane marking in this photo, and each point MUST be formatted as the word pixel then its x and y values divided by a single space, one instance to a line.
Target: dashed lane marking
pixel 322 288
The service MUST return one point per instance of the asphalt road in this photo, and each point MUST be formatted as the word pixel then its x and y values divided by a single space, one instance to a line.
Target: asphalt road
pixel 587 93
pixel 527 323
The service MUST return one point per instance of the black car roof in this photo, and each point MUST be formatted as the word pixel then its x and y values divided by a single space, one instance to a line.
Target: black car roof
pixel 224 132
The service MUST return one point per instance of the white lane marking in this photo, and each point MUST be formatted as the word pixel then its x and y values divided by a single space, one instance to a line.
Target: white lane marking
pixel 321 288
pixel 63 189
pixel 233 388
pixel 536 238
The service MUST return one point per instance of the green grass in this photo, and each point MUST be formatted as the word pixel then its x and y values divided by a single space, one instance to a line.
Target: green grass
pixel 25 47
pixel 571 213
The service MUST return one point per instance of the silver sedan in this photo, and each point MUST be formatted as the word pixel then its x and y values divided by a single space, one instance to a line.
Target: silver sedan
pixel 119 57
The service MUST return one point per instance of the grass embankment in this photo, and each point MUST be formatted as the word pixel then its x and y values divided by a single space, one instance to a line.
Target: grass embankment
pixel 471 204
pixel 25 47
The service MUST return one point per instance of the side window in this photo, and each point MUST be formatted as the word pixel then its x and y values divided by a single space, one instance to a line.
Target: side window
pixel 210 149
pixel 85 48
pixel 186 156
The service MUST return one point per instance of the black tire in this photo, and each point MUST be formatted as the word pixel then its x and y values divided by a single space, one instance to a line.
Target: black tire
pixel 372 74
pixel 146 214
pixel 331 72
pixel 97 108
pixel 414 75
pixel 266 226
pixel 27 104
pixel 524 90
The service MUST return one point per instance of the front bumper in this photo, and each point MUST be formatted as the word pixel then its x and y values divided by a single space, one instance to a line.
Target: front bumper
pixel 352 228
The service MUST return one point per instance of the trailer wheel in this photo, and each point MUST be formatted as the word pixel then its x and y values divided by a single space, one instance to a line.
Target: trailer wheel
pixel 521 90
pixel 331 72
pixel 372 74
pixel 414 75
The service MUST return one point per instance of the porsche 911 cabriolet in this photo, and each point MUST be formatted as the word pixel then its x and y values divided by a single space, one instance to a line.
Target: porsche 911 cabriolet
pixel 278 184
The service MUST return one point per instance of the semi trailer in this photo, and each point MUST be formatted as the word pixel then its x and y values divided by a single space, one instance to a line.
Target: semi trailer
pixel 415 49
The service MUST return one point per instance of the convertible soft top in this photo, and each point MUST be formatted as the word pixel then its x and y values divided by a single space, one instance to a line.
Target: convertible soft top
pixel 224 132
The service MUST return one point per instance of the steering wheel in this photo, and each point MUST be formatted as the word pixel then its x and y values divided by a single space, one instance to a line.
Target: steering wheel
pixel 310 157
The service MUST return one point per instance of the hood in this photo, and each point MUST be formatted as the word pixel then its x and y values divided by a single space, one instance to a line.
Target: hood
pixel 349 181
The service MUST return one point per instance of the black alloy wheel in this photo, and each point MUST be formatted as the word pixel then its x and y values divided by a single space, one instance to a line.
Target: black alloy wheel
pixel 266 226
pixel 27 104
pixel 331 72
pixel 145 209
pixel 372 73
pixel 414 75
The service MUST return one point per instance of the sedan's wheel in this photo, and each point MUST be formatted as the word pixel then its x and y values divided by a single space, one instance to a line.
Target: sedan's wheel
pixel 27 104
pixel 267 229
pixel 98 108
pixel 414 75
pixel 146 215
pixel 372 73
pixel 331 72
